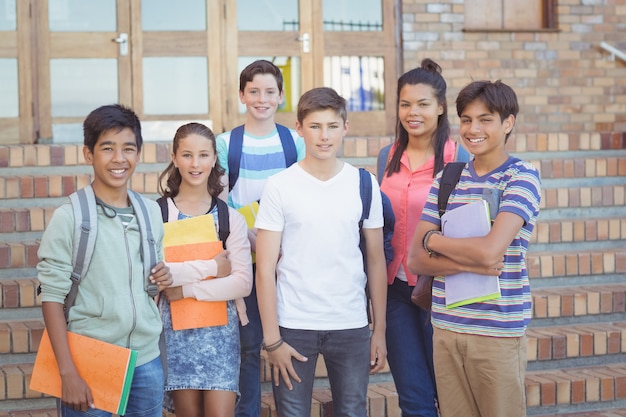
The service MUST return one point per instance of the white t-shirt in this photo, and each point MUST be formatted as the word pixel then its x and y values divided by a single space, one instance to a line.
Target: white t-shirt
pixel 321 283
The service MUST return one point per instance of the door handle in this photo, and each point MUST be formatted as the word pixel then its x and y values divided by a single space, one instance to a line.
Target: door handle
pixel 122 40
pixel 306 42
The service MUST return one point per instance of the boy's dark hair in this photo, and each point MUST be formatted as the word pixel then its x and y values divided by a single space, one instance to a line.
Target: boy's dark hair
pixel 429 73
pixel 113 116
pixel 171 174
pixel 497 96
pixel 322 98
pixel 261 66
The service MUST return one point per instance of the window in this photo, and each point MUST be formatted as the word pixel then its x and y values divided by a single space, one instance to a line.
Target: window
pixel 510 15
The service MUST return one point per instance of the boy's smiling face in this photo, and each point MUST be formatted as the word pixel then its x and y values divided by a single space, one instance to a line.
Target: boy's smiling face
pixel 261 97
pixel 114 158
pixel 323 132
pixel 483 132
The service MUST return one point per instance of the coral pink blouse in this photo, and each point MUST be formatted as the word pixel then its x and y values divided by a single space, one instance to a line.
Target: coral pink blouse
pixel 408 192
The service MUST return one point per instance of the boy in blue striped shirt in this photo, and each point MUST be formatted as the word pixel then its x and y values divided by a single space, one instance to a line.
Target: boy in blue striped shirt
pixel 261 155
pixel 480 348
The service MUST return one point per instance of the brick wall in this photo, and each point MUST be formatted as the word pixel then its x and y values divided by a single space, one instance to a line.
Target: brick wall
pixel 564 81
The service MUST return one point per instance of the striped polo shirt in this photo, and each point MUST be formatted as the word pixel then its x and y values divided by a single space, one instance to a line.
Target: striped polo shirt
pixel 518 185
pixel 261 157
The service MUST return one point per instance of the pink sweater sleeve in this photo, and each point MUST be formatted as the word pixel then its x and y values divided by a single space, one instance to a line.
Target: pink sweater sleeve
pixel 236 285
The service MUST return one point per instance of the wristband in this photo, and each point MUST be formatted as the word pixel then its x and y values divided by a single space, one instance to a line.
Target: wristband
pixel 431 253
pixel 273 346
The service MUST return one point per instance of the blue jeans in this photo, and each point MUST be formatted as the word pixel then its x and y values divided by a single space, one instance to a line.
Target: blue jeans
pixel 146 394
pixel 347 356
pixel 410 352
pixel 251 336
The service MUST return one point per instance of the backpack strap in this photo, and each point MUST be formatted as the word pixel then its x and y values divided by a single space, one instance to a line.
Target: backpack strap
pixel 85 233
pixel 289 146
pixel 450 177
pixel 162 202
pixel 365 189
pixel 148 242
pixel 462 154
pixel 381 162
pixel 235 147
pixel 223 219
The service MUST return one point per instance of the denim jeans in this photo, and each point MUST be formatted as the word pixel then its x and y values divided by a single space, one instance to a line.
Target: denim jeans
pixel 146 394
pixel 410 352
pixel 251 336
pixel 347 356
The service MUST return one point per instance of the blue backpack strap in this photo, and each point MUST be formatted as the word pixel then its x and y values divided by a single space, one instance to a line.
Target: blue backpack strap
pixel 148 242
pixel 235 147
pixel 289 147
pixel 381 162
pixel 365 189
pixel 85 233
pixel 449 178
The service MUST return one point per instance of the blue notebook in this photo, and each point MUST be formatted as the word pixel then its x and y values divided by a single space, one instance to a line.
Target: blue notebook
pixel 469 220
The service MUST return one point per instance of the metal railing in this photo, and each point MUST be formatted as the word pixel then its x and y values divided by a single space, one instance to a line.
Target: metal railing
pixel 613 51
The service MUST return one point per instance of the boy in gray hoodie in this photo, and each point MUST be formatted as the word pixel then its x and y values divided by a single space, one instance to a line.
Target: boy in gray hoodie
pixel 112 304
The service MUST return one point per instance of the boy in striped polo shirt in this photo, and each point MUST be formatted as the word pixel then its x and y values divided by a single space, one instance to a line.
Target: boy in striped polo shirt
pixel 480 348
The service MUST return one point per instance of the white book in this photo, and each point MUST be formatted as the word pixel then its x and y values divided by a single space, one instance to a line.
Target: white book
pixel 469 220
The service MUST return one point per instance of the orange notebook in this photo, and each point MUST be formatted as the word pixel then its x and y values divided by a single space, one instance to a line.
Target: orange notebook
pixel 186 240
pixel 106 368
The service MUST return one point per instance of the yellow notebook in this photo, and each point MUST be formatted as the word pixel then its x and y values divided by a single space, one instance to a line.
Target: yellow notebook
pixel 187 240
pixel 249 213
pixel 106 368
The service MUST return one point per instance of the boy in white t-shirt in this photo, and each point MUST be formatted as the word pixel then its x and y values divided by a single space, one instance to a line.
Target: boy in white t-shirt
pixel 310 275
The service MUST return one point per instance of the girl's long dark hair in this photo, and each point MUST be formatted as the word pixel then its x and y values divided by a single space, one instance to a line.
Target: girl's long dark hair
pixel 171 174
pixel 428 73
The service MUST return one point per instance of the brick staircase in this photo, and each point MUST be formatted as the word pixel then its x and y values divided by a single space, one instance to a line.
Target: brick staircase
pixel 577 339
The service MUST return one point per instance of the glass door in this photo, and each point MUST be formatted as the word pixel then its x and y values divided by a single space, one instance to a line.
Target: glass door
pixel 83 62
pixel 16 118
pixel 153 56
pixel 349 45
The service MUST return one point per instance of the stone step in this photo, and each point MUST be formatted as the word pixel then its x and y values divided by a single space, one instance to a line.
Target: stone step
pixel 58 155
pixel 547 231
pixel 49 412
pixel 608 412
pixel 599 386
pixel 571 387
pixel 581 167
pixel 575 230
pixel 12 156
pixel 19 293
pixel 576 341
pixel 17 336
pixel 574 264
pixel 591 300
pixel 541 264
pixel 55 186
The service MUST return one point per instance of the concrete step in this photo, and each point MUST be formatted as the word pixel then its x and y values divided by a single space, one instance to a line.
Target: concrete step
pixel 20 336
pixel 576 230
pixel 590 388
pixel 54 186
pixel 59 155
pixel 577 341
pixel 575 264
pixel 49 412
pixel 604 165
pixel 575 302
